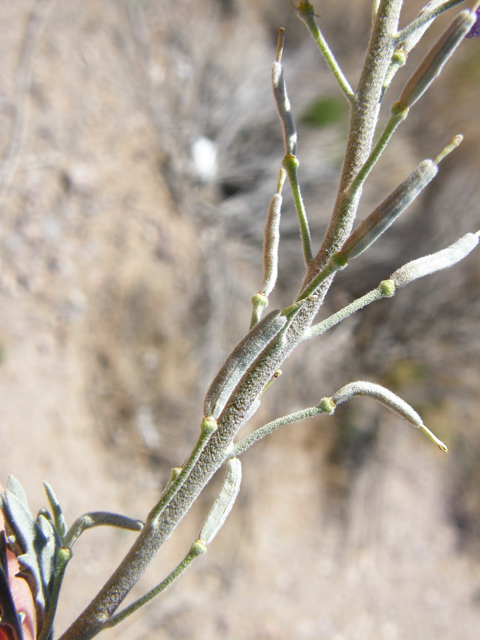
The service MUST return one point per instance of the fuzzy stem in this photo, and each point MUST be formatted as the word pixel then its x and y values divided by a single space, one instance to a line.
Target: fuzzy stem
pixel 426 16
pixel 153 535
pixel 244 444
pixel 62 559
pixel 398 115
pixel 197 548
pixel 386 289
pixel 363 121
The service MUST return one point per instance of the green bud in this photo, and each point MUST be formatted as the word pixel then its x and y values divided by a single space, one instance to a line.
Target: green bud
pixel 387 288
pixel 327 405
pixel 209 425
pixel 198 547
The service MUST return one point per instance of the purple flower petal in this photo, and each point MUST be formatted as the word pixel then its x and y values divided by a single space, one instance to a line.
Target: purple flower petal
pixel 475 30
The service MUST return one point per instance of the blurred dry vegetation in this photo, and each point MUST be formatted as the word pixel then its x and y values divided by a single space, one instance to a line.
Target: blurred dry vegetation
pixel 125 279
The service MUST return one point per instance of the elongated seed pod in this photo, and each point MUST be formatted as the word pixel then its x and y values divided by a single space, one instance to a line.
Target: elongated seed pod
pixel 238 362
pixel 389 400
pixel 281 100
pixel 388 211
pixel 433 63
pixel 271 239
pixel 436 261
pixel 224 503
pixel 386 397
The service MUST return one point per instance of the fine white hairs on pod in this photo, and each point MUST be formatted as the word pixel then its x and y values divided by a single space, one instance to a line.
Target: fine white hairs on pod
pixel 238 363
pixel 224 503
pixel 436 261
pixel 389 400
pixel 388 211
pixel 434 61
pixel 271 239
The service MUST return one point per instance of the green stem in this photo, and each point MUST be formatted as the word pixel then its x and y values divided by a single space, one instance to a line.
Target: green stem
pixel 208 426
pixel 197 548
pixel 99 519
pixel 241 446
pixel 259 302
pixel 398 115
pixel 423 19
pixel 306 14
pixel 62 559
pixel 384 290
pixel 334 264
pixel 290 164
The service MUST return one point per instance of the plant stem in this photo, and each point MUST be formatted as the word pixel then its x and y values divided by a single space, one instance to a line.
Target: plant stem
pixel 363 121
pixel 382 291
pixel 244 444
pixel 398 115
pixel 155 532
pixel 196 549
pixel 424 18
pixel 290 164
pixel 307 16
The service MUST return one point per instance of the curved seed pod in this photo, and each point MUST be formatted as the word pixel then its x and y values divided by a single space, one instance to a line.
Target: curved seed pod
pixel 433 63
pixel 389 400
pixel 237 363
pixel 281 100
pixel 388 211
pixel 435 262
pixel 224 503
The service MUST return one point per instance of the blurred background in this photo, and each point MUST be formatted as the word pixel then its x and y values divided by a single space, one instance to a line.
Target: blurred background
pixel 140 150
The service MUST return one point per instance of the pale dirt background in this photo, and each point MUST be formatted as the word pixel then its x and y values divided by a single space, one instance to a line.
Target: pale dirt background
pixel 125 280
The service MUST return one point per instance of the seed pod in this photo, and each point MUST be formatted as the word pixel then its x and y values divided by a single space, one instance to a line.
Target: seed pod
pixel 433 63
pixel 435 262
pixel 389 400
pixel 388 211
pixel 281 100
pixel 238 362
pixel 271 239
pixel 224 503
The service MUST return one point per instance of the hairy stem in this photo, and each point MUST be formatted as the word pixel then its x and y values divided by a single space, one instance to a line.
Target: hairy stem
pixel 159 526
pixel 363 121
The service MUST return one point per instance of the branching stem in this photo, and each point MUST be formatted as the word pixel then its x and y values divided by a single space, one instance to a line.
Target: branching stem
pixel 425 16
pixel 386 289
pixel 196 549
pixel 244 444
pixel 256 371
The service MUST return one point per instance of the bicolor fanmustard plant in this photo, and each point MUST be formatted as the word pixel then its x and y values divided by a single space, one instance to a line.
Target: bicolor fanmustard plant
pixel 42 546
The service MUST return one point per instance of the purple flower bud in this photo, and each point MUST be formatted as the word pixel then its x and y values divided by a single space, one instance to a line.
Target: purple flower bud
pixel 475 30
